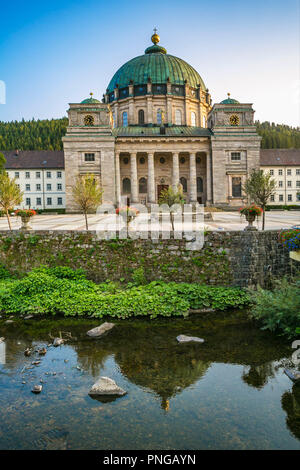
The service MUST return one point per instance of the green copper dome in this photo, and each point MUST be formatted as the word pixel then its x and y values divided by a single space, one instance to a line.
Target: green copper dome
pixel 229 100
pixel 157 65
pixel 90 100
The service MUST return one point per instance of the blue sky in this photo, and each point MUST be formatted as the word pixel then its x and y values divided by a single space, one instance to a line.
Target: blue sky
pixel 56 52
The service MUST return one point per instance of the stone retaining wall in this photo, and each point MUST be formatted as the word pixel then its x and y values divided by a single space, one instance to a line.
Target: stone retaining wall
pixel 227 258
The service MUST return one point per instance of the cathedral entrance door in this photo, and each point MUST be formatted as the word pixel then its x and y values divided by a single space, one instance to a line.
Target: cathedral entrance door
pixel 160 188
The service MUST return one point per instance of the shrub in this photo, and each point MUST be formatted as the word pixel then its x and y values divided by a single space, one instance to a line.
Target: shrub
pixel 279 310
pixel 290 239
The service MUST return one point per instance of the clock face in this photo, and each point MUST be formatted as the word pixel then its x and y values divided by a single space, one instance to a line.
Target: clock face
pixel 234 120
pixel 89 120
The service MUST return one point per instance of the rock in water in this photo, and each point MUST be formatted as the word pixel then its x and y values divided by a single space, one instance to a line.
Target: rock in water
pixel 188 339
pixel 106 387
pixel 294 376
pixel 37 389
pixel 100 330
pixel 58 342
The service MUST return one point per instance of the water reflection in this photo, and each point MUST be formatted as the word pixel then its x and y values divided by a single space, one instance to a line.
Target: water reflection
pixel 148 356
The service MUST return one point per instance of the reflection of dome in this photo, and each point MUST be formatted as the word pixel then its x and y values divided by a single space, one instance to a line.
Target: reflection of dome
pixel 158 66
pixel 229 100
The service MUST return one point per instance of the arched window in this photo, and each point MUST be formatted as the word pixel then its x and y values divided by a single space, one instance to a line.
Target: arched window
pixel 142 185
pixel 178 121
pixel 193 119
pixel 159 116
pixel 114 120
pixel 204 121
pixel 183 182
pixel 126 186
pixel 199 184
pixel 125 119
pixel 141 116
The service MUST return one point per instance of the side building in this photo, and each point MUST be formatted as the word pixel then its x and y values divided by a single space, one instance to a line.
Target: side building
pixel 284 166
pixel 40 174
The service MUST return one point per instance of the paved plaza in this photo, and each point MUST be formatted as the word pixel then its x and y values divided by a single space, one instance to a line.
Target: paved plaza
pixel 275 220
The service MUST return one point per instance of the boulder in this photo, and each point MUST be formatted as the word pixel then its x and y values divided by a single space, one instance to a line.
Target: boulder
pixel 8 322
pixel 37 389
pixel 100 330
pixel 106 387
pixel 58 342
pixel 188 339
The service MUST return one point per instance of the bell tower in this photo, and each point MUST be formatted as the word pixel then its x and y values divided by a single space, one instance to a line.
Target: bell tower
pixel 89 147
pixel 235 149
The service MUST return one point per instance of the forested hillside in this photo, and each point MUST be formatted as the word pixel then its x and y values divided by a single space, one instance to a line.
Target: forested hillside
pixel 46 134
pixel 278 136
pixel 43 134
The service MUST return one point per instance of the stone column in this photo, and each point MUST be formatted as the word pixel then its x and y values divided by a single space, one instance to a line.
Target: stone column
pixel 134 181
pixel 208 179
pixel 118 180
pixel 175 174
pixel 193 178
pixel 151 179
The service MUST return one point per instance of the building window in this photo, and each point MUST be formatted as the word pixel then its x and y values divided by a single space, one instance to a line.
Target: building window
pixel 28 201
pixel 297 171
pixel 49 187
pixel 38 201
pixel 59 201
pixel 49 201
pixel 204 121
pixel 17 174
pixel 182 160
pixel 48 174
pixel 193 119
pixel 142 160
pixel 89 157
pixel 58 174
pixel 280 184
pixel 59 187
pixel 126 186
pixel 298 184
pixel 141 117
pixel 289 183
pixel 272 198
pixel 27 187
pixel 183 182
pixel 236 186
pixel 178 120
pixel 162 160
pixel 272 172
pixel 280 197
pixel 280 172
pixel 37 174
pixel 199 184
pixel 289 172
pixel 298 197
pixel 125 160
pixel 38 187
pixel 159 116
pixel 290 198
pixel 125 119
pixel 235 156
pixel 114 119
pixel 27 174
pixel 142 185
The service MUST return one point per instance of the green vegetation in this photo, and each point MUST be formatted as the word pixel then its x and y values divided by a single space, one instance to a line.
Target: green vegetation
pixel 43 134
pixel 278 136
pixel 279 310
pixel 61 290
pixel 259 187
pixel 10 195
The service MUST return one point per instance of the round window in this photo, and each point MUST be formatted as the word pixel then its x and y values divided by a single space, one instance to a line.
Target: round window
pixel 126 160
pixel 198 160
pixel 162 160
pixel 182 160
pixel 142 160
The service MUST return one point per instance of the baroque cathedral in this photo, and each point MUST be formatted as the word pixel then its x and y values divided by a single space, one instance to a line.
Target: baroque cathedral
pixel 156 127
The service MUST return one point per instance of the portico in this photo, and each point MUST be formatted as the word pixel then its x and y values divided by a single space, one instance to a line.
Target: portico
pixel 142 175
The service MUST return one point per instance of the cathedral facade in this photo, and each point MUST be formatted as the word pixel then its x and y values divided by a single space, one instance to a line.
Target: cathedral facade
pixel 156 127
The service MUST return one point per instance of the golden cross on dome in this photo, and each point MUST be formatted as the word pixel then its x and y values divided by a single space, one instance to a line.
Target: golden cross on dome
pixel 91 93
pixel 228 94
